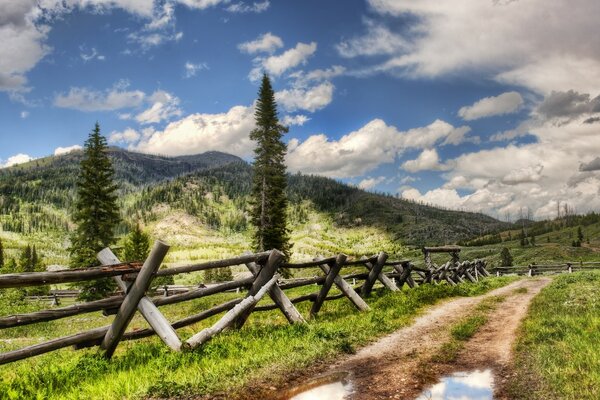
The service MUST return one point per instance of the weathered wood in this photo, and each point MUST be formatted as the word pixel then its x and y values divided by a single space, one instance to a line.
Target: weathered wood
pixel 442 249
pixel 374 273
pixel 231 316
pixel 346 289
pixel 66 276
pixel 51 345
pixel 404 270
pixel 145 305
pixel 280 299
pixel 135 293
pixel 334 270
pixel 385 281
pixel 264 275
pixel 306 264
pixel 213 264
pixel 202 292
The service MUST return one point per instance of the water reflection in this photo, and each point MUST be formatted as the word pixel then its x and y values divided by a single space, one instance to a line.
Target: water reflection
pixel 475 385
pixel 330 387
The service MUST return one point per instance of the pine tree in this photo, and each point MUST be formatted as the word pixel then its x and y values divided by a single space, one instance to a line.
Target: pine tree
pixel 269 201
pixel 96 212
pixel 25 260
pixel 579 234
pixel 137 245
pixel 506 258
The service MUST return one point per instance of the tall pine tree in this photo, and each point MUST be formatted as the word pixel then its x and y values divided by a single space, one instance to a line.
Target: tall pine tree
pixel 96 212
pixel 269 201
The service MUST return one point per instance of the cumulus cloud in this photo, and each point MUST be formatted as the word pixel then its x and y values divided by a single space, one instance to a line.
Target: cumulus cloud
pixel 278 64
pixel 377 41
pixel 463 36
pixel 64 150
pixel 506 103
pixel 256 7
pixel 163 106
pixel 298 120
pixel 86 99
pixel 428 160
pixel 127 136
pixel 524 175
pixel 266 43
pixel 361 151
pixel 310 99
pixel 370 183
pixel 16 159
pixel 569 104
pixel 302 79
pixel 197 133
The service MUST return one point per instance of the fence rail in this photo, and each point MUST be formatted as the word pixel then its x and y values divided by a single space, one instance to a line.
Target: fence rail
pixel 134 279
pixel 540 269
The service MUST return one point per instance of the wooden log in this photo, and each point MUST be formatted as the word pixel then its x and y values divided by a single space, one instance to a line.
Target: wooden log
pixel 442 249
pixel 232 315
pixel 52 345
pixel 374 273
pixel 265 274
pixel 134 295
pixel 411 282
pixel 214 264
pixel 202 292
pixel 280 299
pixel 307 264
pixel 145 305
pixel 66 276
pixel 334 270
pixel 346 289
pixel 302 282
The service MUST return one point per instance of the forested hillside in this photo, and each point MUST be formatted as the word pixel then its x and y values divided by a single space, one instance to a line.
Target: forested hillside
pixel 212 189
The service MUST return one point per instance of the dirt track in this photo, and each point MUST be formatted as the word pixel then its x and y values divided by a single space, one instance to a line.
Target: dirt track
pixel 399 365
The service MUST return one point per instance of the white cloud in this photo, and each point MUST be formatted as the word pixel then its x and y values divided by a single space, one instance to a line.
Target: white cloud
pixel 86 99
pixel 378 40
pixel 505 103
pixel 266 43
pixel 163 106
pixel 16 159
pixel 64 150
pixel 311 99
pixel 91 55
pixel 256 7
pixel 298 120
pixel 129 135
pixel 302 79
pixel 201 4
pixel 196 133
pixel 427 160
pixel 361 151
pixel 370 183
pixel 277 65
pixel 504 40
pixel 192 69
pixel 148 39
pixel 24 114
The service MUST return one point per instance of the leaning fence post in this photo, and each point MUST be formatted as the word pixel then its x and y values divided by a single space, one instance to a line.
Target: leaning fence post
pixel 132 298
pixel 334 270
pixel 346 289
pixel 374 274
pixel 149 311
pixel 264 275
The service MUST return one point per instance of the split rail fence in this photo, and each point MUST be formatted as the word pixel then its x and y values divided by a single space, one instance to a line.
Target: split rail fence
pixel 134 280
pixel 541 269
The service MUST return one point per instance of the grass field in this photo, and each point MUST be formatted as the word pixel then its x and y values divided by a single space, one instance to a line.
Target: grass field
pixel 558 353
pixel 266 347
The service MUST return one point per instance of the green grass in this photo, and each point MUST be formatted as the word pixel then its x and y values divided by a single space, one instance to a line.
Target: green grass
pixel 558 353
pixel 267 348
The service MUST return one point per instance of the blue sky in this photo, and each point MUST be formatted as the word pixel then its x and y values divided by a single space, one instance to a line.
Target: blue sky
pixel 487 106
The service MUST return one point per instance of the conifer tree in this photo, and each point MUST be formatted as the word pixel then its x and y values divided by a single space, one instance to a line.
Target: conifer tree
pixel 506 258
pixel 269 182
pixel 26 261
pixel 96 212
pixel 137 245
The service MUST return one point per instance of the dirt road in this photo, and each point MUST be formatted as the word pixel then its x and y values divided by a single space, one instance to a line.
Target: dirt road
pixel 400 366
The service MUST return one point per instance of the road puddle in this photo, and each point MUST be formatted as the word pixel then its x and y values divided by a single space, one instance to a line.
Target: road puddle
pixel 474 385
pixel 329 387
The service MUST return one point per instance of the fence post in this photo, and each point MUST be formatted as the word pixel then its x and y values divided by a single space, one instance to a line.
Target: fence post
pixel 570 268
pixel 149 311
pixel 346 289
pixel 334 270
pixel 280 299
pixel 132 298
pixel 375 273
pixel 264 275
pixel 530 273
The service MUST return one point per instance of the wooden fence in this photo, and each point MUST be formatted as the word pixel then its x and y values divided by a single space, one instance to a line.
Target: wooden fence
pixel 541 269
pixel 134 279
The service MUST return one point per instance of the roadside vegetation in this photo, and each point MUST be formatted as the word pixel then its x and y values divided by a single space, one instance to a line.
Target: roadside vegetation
pixel 557 351
pixel 267 348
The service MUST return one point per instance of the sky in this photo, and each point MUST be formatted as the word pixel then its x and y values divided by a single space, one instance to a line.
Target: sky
pixel 481 105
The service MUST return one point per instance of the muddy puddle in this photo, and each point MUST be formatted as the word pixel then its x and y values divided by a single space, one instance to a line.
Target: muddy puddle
pixel 328 387
pixel 473 385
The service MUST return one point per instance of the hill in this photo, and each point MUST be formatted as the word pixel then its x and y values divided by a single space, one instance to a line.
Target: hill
pixel 199 199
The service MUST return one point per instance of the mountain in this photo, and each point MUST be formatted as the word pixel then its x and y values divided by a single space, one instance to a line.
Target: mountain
pixel 213 189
